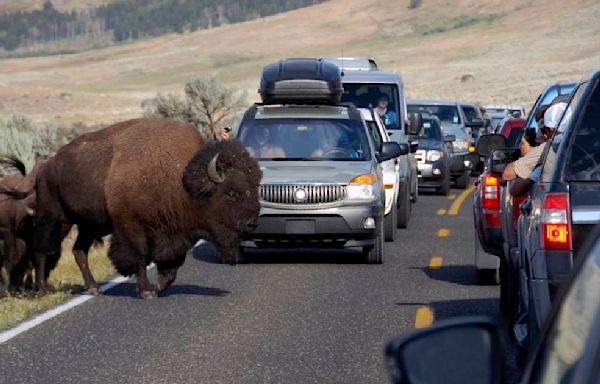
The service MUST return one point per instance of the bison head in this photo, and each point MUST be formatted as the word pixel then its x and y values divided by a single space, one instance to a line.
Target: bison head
pixel 225 176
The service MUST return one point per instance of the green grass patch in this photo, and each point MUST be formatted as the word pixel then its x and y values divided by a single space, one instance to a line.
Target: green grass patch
pixel 66 281
pixel 229 60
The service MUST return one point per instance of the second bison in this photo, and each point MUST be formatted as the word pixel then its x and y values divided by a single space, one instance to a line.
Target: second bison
pixel 157 187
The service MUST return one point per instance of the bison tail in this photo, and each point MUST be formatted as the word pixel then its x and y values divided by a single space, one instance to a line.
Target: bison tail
pixel 13 162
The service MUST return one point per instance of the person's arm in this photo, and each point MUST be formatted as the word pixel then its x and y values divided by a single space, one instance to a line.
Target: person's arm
pixel 509 172
pixel 521 187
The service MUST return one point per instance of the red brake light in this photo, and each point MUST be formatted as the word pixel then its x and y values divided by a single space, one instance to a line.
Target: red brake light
pixel 490 192
pixel 556 222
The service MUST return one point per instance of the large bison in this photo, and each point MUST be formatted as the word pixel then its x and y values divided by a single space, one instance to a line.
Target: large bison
pixel 157 187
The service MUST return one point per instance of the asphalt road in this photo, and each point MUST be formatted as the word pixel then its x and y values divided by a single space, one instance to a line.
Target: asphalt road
pixel 282 318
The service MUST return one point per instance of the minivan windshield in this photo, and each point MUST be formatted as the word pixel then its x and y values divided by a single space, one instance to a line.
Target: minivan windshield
pixel 382 97
pixel 305 139
pixel 446 113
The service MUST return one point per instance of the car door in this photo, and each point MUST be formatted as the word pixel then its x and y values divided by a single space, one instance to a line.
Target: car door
pixel 572 329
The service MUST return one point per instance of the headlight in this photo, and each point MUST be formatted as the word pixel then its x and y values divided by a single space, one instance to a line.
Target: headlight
pixel 434 155
pixel 363 187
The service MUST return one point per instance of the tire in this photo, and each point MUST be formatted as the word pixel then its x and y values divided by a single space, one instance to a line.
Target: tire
pixel 488 276
pixel 415 196
pixel 505 299
pixel 463 180
pixel 532 326
pixel 373 254
pixel 444 190
pixel 403 206
pixel 390 225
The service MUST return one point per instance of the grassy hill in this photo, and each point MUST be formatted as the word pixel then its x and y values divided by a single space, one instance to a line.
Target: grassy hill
pixel 507 51
pixel 10 6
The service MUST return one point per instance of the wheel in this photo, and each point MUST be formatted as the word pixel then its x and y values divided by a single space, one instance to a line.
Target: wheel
pixel 415 195
pixel 532 326
pixel 445 188
pixel 373 254
pixel 488 276
pixel 390 225
pixel 505 306
pixel 403 206
pixel 463 180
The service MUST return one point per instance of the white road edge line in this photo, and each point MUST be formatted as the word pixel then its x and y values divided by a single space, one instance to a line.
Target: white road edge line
pixel 51 313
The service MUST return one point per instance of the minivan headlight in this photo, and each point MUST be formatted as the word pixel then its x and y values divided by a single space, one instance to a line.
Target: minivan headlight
pixel 362 187
pixel 434 155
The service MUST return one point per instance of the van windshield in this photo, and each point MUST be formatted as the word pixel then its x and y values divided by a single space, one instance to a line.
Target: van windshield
pixel 382 97
pixel 305 139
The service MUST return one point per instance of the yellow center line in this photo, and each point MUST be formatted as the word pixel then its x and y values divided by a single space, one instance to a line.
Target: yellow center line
pixel 424 317
pixel 443 232
pixel 460 199
pixel 451 196
pixel 435 262
pixel 441 212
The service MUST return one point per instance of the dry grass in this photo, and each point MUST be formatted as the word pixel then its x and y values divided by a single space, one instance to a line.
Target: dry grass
pixel 66 280
pixel 511 48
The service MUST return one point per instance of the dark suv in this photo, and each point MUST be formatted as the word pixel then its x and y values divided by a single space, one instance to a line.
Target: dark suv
pixel 562 208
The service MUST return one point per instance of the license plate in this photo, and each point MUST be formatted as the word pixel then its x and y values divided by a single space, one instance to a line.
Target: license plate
pixel 297 227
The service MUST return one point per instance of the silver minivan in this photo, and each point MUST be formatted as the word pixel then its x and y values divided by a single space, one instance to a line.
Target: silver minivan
pixel 322 184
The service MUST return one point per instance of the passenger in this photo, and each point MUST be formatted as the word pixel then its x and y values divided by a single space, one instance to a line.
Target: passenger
pixel 261 147
pixel 523 167
pixel 387 116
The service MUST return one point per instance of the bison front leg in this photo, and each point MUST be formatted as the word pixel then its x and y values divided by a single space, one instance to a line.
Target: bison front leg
pixel 80 251
pixel 167 272
pixel 229 249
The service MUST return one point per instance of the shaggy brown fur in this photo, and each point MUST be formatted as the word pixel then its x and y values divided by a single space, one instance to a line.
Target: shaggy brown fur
pixel 128 180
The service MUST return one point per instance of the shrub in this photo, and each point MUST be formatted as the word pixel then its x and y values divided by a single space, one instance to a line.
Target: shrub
pixel 209 104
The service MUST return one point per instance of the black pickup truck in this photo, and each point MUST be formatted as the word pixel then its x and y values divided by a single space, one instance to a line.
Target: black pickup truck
pixel 562 208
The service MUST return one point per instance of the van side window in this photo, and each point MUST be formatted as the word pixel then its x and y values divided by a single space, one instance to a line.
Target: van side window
pixel 583 161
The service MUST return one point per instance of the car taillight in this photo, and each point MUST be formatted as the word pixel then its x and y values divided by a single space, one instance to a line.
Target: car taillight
pixel 556 222
pixel 490 192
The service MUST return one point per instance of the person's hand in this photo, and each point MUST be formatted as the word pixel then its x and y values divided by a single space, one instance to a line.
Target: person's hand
pixel 224 132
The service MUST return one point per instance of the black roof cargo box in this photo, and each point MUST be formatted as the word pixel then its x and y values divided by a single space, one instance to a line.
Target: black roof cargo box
pixel 301 81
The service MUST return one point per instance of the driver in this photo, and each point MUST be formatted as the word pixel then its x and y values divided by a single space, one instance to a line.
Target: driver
pixel 262 147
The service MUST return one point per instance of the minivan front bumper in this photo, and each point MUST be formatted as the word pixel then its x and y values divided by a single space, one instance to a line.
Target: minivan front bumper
pixel 339 227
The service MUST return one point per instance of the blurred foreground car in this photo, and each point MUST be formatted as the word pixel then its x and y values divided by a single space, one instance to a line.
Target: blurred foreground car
pixel 470 350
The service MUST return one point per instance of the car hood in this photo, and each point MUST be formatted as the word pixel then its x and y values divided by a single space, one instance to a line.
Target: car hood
pixel 425 143
pixel 328 172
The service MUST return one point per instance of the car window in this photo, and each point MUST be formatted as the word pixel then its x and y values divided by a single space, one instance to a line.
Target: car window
pixel 569 332
pixel 431 130
pixel 583 161
pixel 547 99
pixel 305 138
pixel 557 138
pixel 513 137
pixel 470 113
pixel 446 113
pixel 370 95
pixel 375 135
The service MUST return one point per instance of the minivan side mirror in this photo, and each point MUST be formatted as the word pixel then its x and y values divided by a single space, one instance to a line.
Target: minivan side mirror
pixel 449 138
pixel 416 123
pixel 391 149
pixel 475 123
pixel 487 143
pixel 467 350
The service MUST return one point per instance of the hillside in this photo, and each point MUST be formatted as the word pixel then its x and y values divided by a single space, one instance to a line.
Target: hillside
pixel 509 51
pixel 10 6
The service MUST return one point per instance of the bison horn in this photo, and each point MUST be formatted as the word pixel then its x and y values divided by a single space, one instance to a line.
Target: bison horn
pixel 213 174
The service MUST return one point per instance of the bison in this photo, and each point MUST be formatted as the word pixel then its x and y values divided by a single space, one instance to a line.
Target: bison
pixel 157 187
pixel 16 225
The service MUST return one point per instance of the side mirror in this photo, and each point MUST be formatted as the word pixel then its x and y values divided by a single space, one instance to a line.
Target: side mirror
pixel 500 158
pixel 475 123
pixel 449 138
pixel 416 123
pixel 487 143
pixel 414 145
pixel 391 149
pixel 464 351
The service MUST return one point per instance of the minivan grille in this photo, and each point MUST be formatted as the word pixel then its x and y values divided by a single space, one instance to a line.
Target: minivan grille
pixel 302 194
